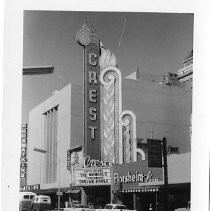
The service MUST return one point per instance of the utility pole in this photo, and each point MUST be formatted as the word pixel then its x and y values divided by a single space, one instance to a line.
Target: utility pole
pixel 151 134
pixel 157 157
pixel 165 165
pixel 58 159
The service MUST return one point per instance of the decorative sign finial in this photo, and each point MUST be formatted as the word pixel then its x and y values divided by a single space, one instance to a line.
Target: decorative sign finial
pixel 107 59
pixel 86 35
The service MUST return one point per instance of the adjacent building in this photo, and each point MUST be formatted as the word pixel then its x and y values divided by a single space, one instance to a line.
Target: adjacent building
pixel 185 73
pixel 183 78
pixel 161 111
pixel 53 126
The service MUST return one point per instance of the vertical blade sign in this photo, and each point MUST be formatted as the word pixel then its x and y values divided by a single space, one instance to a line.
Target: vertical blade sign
pixel 87 38
pixel 154 153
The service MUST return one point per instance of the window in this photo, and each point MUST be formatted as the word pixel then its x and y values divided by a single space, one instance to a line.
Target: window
pixel 108 207
pixel 120 207
pixel 26 196
pixel 50 142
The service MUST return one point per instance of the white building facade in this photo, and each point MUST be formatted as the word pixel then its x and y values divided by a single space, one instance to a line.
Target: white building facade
pixel 50 130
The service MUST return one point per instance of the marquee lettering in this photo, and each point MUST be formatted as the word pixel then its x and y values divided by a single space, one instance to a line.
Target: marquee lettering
pixel 92 131
pixel 93 59
pixel 92 95
pixel 24 130
pixel 23 159
pixel 92 77
pixel 92 112
pixel 95 163
pixel 22 175
pixel 22 170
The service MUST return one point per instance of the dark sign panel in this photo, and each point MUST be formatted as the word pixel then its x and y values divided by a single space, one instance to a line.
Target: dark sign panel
pixel 135 176
pixel 92 101
pixel 154 153
pixel 173 150
pixel 89 40
pixel 68 160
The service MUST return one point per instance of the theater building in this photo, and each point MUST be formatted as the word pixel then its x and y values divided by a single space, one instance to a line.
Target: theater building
pixel 94 139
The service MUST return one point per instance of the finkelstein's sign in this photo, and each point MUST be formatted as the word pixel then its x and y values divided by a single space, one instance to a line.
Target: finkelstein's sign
pixel 23 158
pixel 136 175
pixel 89 40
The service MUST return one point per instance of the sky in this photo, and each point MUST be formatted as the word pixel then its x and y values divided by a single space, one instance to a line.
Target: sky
pixel 155 42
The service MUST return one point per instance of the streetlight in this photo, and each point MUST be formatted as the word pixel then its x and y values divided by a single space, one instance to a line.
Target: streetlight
pixel 59 190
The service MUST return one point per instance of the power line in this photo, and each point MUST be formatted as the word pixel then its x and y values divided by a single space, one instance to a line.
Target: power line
pixel 173 130
pixel 122 33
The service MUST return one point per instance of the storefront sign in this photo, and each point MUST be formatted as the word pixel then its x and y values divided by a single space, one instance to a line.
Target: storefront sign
pixel 92 176
pixel 135 175
pixel 59 193
pixel 30 187
pixel 87 38
pixel 75 158
pixel 95 163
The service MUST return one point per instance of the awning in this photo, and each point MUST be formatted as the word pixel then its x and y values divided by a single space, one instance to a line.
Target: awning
pixel 72 191
pixel 75 148
pixel 46 191
pixel 155 189
pixel 75 191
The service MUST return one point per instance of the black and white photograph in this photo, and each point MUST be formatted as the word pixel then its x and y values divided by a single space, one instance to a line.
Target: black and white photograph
pixel 106 111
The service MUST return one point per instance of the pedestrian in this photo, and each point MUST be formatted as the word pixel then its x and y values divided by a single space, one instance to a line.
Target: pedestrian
pixel 66 204
pixel 150 207
pixel 91 206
